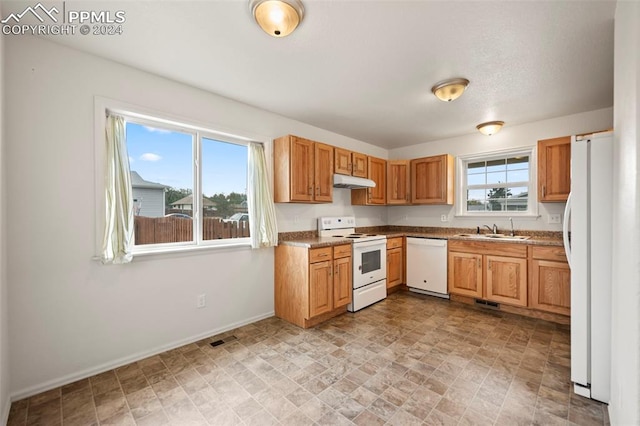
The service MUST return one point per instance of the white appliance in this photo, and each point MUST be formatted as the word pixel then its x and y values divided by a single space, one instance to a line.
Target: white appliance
pixel 588 248
pixel 369 257
pixel 427 266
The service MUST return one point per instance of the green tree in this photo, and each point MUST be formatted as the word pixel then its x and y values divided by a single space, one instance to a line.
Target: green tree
pixel 497 198
pixel 172 195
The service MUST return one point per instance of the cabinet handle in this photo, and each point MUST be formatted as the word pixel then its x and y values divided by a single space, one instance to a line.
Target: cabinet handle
pixel 489 265
pixel 350 167
pixel 479 264
pixel 317 190
pixel 323 255
pixel 544 191
pixel 310 190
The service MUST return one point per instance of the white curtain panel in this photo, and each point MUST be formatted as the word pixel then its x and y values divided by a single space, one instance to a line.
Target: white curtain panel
pixel 118 231
pixel 262 213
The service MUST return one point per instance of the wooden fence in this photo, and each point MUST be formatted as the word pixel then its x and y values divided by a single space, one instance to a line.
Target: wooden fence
pixel 156 230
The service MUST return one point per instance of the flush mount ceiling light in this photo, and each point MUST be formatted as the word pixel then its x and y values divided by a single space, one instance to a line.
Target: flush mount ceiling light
pixel 450 90
pixel 278 18
pixel 490 127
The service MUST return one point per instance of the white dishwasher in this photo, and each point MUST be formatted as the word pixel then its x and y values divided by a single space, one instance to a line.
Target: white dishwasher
pixel 427 266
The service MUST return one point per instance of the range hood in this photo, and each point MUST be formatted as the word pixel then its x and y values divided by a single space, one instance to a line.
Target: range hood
pixel 352 182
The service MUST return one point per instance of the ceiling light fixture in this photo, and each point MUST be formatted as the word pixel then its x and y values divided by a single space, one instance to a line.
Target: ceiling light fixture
pixel 278 18
pixel 450 90
pixel 490 127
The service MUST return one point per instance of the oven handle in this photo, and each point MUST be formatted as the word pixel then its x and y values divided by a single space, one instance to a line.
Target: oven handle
pixel 360 244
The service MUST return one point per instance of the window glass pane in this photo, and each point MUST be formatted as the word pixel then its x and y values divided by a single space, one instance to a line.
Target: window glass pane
pixel 519 199
pixel 224 188
pixel 473 168
pixel 476 179
pixel 518 176
pixel 496 177
pixel 496 204
pixel 496 165
pixel 162 183
pixel 518 163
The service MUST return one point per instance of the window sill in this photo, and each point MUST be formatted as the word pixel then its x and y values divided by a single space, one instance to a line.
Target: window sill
pixel 150 253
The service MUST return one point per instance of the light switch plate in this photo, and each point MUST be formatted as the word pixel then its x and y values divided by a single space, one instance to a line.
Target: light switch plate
pixel 444 218
pixel 554 218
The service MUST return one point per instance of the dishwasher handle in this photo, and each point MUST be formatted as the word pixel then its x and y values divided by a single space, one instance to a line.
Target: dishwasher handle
pixel 426 242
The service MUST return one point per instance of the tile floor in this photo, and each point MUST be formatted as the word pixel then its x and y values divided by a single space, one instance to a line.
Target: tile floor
pixel 408 360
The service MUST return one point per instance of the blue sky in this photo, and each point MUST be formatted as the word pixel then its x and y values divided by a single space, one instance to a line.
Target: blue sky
pixel 165 157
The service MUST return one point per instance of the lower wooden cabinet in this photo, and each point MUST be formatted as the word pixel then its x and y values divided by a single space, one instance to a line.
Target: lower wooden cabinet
pixel 550 280
pixel 312 285
pixel 395 262
pixel 491 271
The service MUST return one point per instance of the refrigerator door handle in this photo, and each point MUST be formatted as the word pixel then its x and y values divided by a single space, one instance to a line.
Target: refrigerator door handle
pixel 565 230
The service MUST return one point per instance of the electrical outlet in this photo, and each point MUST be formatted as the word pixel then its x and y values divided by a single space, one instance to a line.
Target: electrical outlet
pixel 554 218
pixel 444 218
pixel 201 301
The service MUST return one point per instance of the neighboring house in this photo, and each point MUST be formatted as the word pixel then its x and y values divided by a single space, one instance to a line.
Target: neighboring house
pixel 186 203
pixel 241 208
pixel 148 197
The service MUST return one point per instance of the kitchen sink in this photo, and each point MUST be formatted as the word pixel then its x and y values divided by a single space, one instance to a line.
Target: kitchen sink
pixel 494 237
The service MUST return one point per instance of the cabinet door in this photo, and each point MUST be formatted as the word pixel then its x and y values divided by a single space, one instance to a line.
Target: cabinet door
pixel 302 165
pixel 507 280
pixel 342 281
pixel 323 175
pixel 465 274
pixel 432 180
pixel 395 263
pixel 550 286
pixel 554 169
pixel 359 164
pixel 377 173
pixel 398 179
pixel 320 288
pixel 342 161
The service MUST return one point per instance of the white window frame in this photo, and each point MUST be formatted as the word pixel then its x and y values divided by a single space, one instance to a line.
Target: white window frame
pixel 461 182
pixel 146 116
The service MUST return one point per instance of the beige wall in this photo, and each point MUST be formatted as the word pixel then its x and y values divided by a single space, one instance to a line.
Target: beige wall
pixel 624 408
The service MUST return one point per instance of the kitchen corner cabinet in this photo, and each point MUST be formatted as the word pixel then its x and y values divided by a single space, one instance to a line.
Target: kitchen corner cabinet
pixel 312 285
pixel 303 171
pixel 432 180
pixel 395 261
pixel 377 172
pixel 554 169
pixel 398 182
pixel 350 163
pixel 550 280
pixel 488 270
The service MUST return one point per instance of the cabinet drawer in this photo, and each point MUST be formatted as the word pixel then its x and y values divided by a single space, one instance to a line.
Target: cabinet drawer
pixel 549 253
pixel 319 254
pixel 489 247
pixel 341 251
pixel 394 243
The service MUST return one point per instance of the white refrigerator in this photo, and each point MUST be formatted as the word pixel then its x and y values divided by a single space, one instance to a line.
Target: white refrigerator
pixel 587 239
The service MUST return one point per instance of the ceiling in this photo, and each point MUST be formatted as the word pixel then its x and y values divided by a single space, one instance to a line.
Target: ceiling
pixel 365 69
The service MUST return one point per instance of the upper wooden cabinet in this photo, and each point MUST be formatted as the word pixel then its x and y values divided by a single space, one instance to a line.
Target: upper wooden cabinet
pixel 350 163
pixel 377 172
pixel 554 169
pixel 398 182
pixel 432 180
pixel 303 171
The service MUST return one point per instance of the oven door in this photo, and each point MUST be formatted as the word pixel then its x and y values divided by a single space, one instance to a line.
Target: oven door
pixel 369 262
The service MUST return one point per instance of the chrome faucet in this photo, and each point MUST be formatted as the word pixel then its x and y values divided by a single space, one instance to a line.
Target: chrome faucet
pixel 493 230
pixel 513 234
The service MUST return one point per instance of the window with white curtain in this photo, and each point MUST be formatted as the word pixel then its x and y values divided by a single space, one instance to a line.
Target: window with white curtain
pixel 189 186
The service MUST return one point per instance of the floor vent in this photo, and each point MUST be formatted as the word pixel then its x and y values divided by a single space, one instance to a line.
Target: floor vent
pixel 487 304
pixel 225 340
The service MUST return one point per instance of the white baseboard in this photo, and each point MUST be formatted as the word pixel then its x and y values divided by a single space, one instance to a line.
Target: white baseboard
pixel 4 414
pixel 70 378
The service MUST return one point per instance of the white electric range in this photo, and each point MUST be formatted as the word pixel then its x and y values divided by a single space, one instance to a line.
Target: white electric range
pixel 369 256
